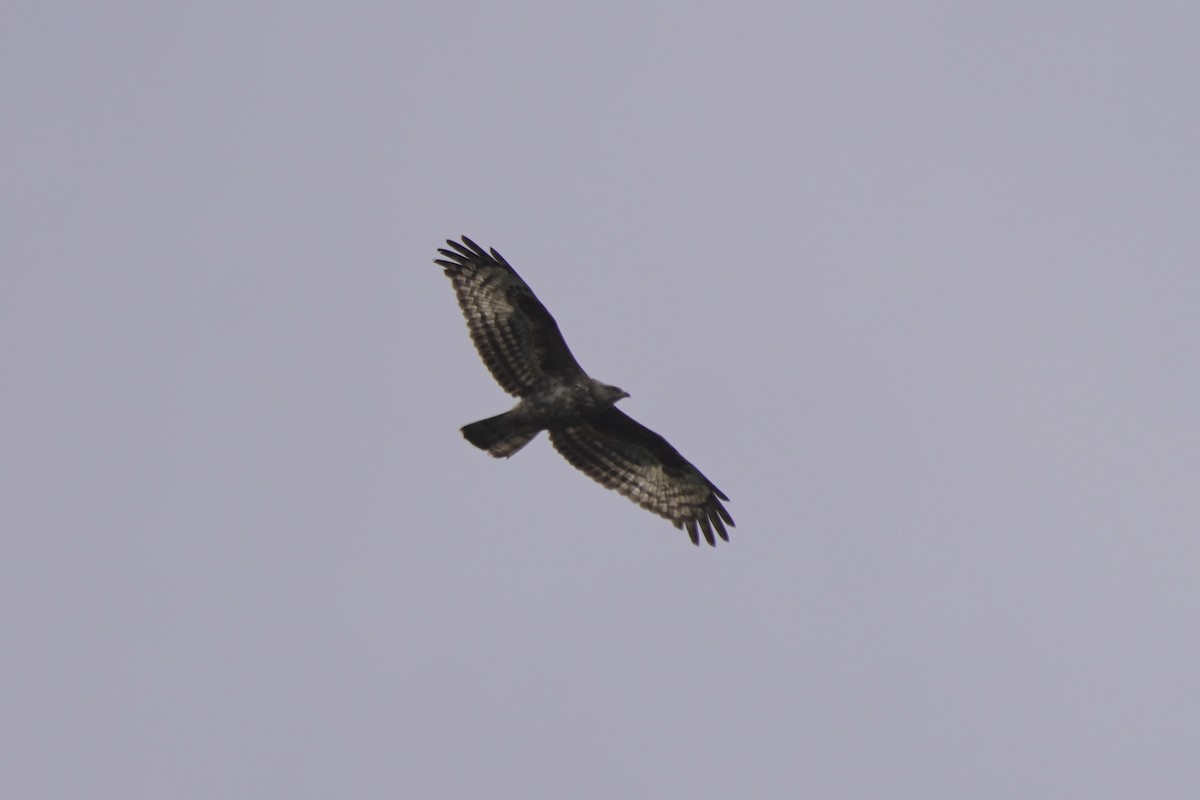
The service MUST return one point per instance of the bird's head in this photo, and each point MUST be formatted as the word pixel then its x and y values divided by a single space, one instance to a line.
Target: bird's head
pixel 609 394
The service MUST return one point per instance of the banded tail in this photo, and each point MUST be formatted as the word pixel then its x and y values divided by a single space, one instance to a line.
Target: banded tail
pixel 500 435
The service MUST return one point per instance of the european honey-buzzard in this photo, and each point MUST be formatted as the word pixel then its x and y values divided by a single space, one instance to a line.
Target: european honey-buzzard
pixel 520 343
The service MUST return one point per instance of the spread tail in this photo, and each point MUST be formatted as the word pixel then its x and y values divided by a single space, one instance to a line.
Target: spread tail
pixel 498 435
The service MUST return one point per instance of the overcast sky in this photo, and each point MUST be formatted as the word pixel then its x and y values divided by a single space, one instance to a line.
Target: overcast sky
pixel 916 284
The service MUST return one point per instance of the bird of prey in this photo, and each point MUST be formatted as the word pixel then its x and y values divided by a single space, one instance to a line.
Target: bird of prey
pixel 520 343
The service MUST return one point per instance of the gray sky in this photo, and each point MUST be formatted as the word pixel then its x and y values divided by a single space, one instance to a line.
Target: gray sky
pixel 915 284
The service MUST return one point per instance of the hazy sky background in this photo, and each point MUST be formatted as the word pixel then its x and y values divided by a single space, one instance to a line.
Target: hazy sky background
pixel 915 283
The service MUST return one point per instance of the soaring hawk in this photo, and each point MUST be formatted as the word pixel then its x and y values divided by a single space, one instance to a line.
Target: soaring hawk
pixel 519 342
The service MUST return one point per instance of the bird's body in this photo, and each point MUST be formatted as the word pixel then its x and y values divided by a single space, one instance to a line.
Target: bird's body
pixel 520 343
pixel 555 405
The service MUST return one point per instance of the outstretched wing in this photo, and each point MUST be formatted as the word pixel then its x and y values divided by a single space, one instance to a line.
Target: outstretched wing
pixel 515 335
pixel 625 455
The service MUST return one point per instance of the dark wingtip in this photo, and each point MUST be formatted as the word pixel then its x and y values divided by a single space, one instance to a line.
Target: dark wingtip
pixel 467 251
pixel 720 526
pixel 720 509
pixel 499 258
pixel 458 252
pixel 479 250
